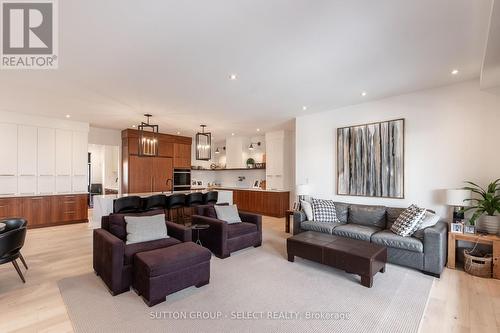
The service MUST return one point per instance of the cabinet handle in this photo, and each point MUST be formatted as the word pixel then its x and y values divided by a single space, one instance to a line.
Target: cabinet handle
pixel 36 198
pixel 69 202
pixel 70 212
pixel 6 175
pixel 3 206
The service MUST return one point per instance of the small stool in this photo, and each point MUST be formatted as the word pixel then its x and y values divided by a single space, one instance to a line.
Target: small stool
pixel 162 272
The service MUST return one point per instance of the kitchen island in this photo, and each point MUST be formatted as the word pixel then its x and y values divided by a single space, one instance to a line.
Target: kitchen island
pixel 256 200
pixel 103 204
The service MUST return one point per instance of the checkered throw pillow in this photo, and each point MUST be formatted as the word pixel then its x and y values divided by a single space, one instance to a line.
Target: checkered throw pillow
pixel 409 221
pixel 324 211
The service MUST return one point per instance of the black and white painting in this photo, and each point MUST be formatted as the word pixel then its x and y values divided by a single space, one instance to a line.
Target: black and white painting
pixel 370 160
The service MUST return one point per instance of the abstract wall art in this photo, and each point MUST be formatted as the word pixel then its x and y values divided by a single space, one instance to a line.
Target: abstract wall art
pixel 370 159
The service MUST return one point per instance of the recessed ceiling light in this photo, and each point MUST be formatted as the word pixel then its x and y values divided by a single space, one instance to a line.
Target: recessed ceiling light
pixel 304 108
pixel 232 134
pixel 178 132
pixel 133 126
pixel 68 116
pixel 363 93
pixel 454 72
pixel 258 129
pixel 233 77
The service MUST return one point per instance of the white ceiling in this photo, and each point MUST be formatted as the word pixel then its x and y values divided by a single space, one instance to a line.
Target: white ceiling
pixel 120 59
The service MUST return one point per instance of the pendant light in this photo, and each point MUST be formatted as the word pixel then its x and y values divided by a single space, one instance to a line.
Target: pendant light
pixel 148 138
pixel 203 145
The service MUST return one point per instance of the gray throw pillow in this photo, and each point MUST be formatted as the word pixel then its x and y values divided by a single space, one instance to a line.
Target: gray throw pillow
pixel 429 220
pixel 145 228
pixel 228 214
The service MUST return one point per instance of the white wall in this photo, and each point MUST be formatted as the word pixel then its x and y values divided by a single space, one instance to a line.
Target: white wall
pixel 452 135
pixel 104 136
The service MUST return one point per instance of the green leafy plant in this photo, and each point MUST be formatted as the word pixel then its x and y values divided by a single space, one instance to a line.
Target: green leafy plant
pixel 488 200
pixel 250 161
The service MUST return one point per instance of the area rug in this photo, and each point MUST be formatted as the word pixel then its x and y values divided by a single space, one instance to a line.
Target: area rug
pixel 258 290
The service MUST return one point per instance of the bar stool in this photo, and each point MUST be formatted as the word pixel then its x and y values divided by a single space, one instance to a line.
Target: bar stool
pixel 153 202
pixel 210 198
pixel 193 200
pixel 176 202
pixel 130 204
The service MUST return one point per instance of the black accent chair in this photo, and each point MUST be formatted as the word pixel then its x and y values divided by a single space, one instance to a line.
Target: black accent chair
pixel 11 242
pixel 154 202
pixel 130 204
pixel 210 198
pixel 176 203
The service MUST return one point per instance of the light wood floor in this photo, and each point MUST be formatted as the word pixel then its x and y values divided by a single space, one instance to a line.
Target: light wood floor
pixel 458 302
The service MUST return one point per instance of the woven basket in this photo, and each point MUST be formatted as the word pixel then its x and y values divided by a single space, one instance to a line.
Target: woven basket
pixel 478 266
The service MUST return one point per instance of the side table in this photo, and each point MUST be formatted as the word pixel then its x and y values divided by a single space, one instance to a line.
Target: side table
pixel 199 227
pixel 493 240
pixel 288 213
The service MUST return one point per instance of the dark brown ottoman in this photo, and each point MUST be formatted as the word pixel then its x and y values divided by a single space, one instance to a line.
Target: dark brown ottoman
pixel 162 272
pixel 351 255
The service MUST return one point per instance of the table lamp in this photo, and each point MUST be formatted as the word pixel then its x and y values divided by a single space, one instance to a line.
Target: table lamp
pixel 302 190
pixel 456 198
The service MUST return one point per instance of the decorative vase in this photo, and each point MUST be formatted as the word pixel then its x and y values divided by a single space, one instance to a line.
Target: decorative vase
pixel 489 224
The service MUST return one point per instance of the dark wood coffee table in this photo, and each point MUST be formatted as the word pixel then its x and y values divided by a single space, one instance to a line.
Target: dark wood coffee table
pixel 353 256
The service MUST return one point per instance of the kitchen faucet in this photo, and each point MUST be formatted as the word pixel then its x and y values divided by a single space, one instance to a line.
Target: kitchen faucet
pixel 171 185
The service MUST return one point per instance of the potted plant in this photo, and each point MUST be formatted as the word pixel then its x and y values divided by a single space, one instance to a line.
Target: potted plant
pixel 485 207
pixel 250 163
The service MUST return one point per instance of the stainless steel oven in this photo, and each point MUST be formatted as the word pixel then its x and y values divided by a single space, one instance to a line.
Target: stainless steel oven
pixel 182 179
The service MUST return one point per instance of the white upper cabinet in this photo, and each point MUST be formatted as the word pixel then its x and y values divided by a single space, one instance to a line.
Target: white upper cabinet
pixel 46 151
pixel 64 155
pixel 80 153
pixel 8 149
pixel 27 150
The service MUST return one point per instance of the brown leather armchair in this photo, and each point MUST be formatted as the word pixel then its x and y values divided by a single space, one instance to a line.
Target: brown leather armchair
pixel 113 259
pixel 222 238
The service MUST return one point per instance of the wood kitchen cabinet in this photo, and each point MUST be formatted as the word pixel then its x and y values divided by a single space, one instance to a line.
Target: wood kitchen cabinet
pixel 270 203
pixel 10 207
pixel 50 210
pixel 66 208
pixel 162 172
pixel 140 174
pixel 37 210
pixel 182 156
pixel 150 173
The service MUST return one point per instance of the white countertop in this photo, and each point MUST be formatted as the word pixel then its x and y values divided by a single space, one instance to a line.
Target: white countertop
pixel 229 188
pixel 143 195
pixel 40 195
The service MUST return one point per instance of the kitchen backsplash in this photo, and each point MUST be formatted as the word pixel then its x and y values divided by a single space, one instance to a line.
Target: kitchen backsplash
pixel 229 178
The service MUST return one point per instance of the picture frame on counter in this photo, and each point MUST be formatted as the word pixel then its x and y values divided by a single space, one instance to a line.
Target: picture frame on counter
pixel 469 229
pixel 457 228
pixel 256 183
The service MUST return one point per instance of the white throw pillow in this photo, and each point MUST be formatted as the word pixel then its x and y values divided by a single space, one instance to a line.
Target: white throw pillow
pixel 307 208
pixel 145 228
pixel 409 221
pixel 228 214
pixel 429 220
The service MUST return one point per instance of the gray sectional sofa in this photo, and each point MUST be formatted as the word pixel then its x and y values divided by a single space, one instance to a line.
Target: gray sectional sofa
pixel 425 250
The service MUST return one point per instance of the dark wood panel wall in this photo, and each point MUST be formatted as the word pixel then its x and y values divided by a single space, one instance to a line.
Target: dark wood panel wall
pixel 150 174
pixel 45 211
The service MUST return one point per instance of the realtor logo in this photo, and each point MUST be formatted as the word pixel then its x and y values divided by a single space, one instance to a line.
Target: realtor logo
pixel 29 34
